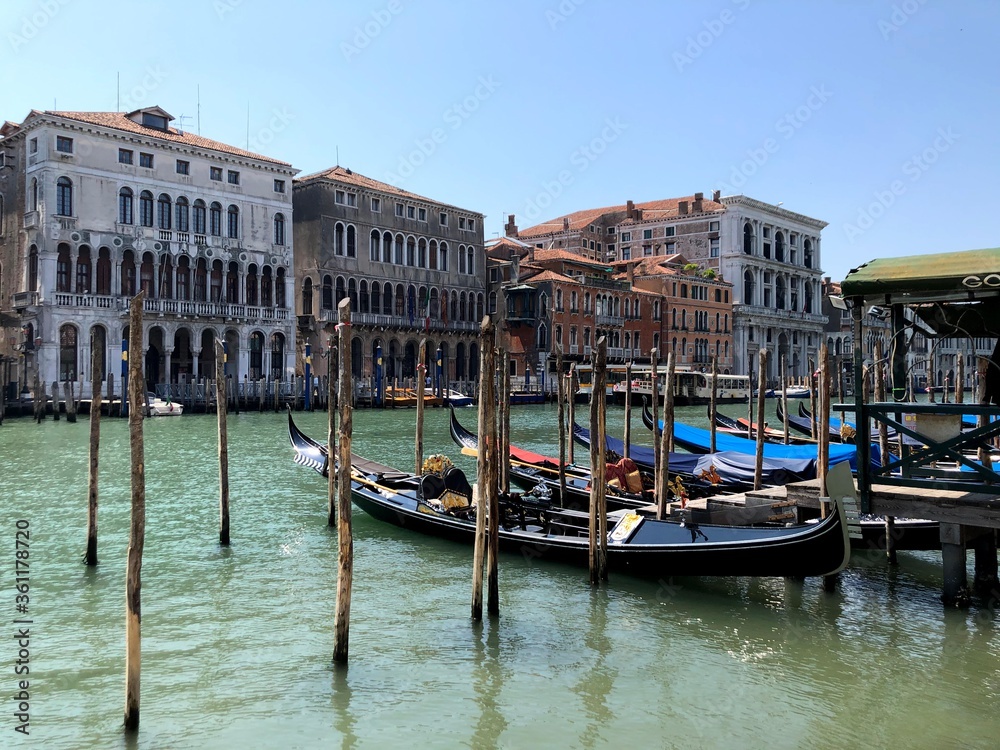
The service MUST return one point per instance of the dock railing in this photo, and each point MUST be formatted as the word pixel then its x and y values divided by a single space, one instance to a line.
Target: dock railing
pixel 937 432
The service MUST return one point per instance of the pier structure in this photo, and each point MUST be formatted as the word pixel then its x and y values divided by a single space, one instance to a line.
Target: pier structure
pixel 945 471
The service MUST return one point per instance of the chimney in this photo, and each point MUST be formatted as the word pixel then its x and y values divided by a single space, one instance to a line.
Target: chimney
pixel 696 207
pixel 631 275
pixel 716 195
pixel 531 253
pixel 515 269
pixel 682 207
pixel 566 224
pixel 638 214
pixel 699 196
pixel 630 209
pixel 510 228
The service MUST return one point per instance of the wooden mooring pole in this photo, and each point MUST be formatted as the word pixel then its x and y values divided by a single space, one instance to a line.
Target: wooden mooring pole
pixel 598 482
pixel 331 438
pixel 345 534
pixel 960 378
pixel 418 442
pixel 485 484
pixel 627 437
pixel 664 440
pixel 55 400
pixel 784 396
pixel 655 398
pixel 90 557
pixel 713 405
pixel 137 530
pixel 560 397
pixel 222 411
pixel 758 465
pixel 571 401
pixel 70 402
pixel 823 424
pixel 503 358
pixel 813 414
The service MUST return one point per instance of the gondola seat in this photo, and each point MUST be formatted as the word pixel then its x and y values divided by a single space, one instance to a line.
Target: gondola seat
pixel 450 492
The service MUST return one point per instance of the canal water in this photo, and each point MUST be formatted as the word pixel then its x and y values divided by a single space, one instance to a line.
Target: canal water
pixel 237 643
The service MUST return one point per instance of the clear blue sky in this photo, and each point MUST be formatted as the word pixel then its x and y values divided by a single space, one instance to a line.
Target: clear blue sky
pixel 877 117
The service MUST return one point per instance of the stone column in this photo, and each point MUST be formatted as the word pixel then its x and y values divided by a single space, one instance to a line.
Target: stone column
pixel 167 352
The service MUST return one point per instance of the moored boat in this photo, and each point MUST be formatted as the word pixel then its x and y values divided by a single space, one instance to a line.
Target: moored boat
pixel 442 506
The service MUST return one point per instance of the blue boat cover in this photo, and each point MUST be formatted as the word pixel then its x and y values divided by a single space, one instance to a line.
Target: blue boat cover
pixel 732 467
pixel 696 439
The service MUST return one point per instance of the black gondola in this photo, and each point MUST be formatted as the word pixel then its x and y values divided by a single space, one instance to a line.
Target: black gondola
pixel 637 545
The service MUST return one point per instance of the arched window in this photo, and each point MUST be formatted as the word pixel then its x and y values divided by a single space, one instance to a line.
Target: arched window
pixel 374 252
pixel 146 274
pixel 470 265
pixel 352 241
pixel 256 355
pixel 233 283
pixel 33 197
pixel 387 303
pixel 400 300
pixel 341 290
pixel 397 256
pixel 352 293
pixel 201 280
pixel 215 219
pixel 146 208
pixel 326 303
pixel 277 356
pixel 104 271
pixel 748 288
pixel 422 253
pixel 166 277
pixel 387 248
pixel 198 214
pixel 67 353
pixel 63 262
pixel 376 298
pixel 83 270
pixel 363 300
pixel 251 284
pixel 338 239
pixel 125 206
pixel 64 196
pixel 779 246
pixel 163 207
pixel 279 289
pixel 432 254
pixel 411 251
pixel 307 296
pixel 279 229
pixel 461 258
pixel 184 278
pixel 183 215
pixel 128 274
pixel 234 223
pixel 748 238
pixel 807 254
pixel 266 287
pixel 443 257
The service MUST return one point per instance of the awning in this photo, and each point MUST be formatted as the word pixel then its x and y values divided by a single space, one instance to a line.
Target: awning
pixel 967 275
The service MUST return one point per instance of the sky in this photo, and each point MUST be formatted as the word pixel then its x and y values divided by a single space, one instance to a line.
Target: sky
pixel 877 117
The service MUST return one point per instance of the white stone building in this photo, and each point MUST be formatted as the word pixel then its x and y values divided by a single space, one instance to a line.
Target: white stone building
pixel 101 204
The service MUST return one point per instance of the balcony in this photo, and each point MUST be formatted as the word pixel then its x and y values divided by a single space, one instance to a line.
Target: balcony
pixel 165 235
pixel 99 301
pixel 610 321
pixel 67 223
pixel 31 220
pixel 400 321
pixel 23 300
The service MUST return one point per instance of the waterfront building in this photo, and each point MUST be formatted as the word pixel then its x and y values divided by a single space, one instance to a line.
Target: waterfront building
pixel 98 205
pixel 412 267
pixel 769 254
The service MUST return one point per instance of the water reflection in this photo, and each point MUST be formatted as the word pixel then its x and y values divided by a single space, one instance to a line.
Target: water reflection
pixel 596 682
pixel 340 701
pixel 488 685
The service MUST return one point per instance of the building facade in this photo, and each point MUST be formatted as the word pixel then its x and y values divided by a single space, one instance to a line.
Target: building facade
pixel 769 254
pixel 412 267
pixel 99 205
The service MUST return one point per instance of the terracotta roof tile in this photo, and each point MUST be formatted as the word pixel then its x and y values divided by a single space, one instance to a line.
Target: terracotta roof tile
pixel 120 121
pixel 616 215
pixel 550 276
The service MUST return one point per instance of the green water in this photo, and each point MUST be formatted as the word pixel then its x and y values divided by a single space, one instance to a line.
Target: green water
pixel 237 643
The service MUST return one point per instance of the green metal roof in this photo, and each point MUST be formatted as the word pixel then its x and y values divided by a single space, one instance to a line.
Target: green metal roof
pixel 966 274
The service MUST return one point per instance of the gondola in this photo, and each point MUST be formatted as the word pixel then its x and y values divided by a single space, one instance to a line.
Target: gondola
pixel 531 470
pixel 698 440
pixel 803 425
pixel 638 545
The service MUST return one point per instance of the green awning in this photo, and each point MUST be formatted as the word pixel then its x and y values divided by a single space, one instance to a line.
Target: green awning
pixel 969 274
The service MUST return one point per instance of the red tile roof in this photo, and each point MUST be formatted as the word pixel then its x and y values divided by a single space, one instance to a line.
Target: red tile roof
pixel 651 210
pixel 121 121
pixel 549 276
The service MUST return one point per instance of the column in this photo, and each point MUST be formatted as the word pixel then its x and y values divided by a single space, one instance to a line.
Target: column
pixel 167 352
